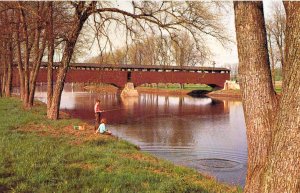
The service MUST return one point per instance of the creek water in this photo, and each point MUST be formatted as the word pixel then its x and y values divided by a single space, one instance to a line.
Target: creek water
pixel 202 133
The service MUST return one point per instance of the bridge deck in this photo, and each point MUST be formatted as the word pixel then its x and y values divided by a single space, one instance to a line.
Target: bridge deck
pixel 124 67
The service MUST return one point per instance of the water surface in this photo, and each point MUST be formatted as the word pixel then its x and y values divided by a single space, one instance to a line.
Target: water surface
pixel 202 133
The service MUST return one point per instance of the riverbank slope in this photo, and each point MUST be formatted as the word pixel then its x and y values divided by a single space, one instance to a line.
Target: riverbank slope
pixel 40 155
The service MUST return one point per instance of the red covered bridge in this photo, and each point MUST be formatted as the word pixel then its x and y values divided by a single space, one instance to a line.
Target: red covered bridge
pixel 121 74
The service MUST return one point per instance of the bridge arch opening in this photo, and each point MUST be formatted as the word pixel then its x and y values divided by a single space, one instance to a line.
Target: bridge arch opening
pixel 215 87
pixel 129 76
pixel 179 85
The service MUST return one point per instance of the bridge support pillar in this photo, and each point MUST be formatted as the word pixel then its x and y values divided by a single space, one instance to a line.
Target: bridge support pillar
pixel 129 90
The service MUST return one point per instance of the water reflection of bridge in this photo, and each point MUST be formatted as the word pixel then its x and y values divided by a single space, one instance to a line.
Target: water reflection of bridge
pixel 147 109
pixel 131 109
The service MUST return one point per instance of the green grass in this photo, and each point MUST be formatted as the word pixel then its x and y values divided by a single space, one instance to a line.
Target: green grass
pixel 278 89
pixel 31 162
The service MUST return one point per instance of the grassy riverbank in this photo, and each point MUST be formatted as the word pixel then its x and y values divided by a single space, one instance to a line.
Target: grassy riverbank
pixel 39 155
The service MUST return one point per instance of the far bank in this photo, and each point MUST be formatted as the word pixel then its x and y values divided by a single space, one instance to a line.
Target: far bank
pixel 171 89
pixel 178 90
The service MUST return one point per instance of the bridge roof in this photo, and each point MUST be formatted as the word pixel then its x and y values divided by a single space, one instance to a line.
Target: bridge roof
pixel 153 67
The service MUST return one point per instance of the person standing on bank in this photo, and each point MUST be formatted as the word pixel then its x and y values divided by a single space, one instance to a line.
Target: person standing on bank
pixel 97 114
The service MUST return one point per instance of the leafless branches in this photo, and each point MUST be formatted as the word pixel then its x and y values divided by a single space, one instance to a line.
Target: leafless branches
pixel 276 35
pixel 59 28
pixel 142 19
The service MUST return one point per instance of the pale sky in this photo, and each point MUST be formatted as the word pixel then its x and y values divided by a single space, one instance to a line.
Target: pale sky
pixel 221 55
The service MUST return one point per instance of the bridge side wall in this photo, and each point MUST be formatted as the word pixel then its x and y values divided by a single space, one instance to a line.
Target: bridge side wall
pixel 217 79
pixel 119 78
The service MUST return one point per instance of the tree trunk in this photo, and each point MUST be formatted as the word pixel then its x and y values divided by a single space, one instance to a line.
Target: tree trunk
pixel 181 56
pixel 61 74
pixel 50 58
pixel 27 49
pixel 258 95
pixel 1 72
pixel 8 81
pixel 283 170
pixel 3 77
pixel 39 52
pixel 55 103
pixel 273 123
pixel 8 54
pixel 36 49
pixel 35 70
pixel 20 63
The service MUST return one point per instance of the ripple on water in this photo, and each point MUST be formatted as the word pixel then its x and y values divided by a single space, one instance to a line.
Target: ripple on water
pixel 216 164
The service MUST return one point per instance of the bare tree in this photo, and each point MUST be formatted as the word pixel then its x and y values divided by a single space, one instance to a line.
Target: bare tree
pixel 51 49
pixel 36 28
pixel 271 52
pixel 6 50
pixel 187 53
pixel 81 13
pixel 272 121
pixel 169 17
pixel 31 29
pixel 276 34
pixel 39 48
pixel 156 50
pixel 153 50
pixel 27 32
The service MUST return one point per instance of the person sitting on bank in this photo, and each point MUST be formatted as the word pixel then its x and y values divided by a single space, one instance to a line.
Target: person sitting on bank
pixel 102 128
pixel 97 114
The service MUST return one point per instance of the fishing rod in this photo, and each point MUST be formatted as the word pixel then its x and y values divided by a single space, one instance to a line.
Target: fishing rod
pixel 113 110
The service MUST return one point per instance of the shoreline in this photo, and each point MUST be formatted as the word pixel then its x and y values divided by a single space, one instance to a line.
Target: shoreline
pixel 226 93
pixel 197 91
pixel 171 91
pixel 62 130
pixel 178 92
pixel 181 92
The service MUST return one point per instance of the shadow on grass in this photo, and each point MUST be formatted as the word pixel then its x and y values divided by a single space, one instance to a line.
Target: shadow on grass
pixel 112 143
pixel 100 142
pixel 3 188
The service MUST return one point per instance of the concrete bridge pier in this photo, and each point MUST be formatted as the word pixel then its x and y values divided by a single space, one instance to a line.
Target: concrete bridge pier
pixel 129 90
pixel 72 85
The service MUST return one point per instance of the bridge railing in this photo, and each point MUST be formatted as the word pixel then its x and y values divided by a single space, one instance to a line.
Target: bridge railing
pixel 145 68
